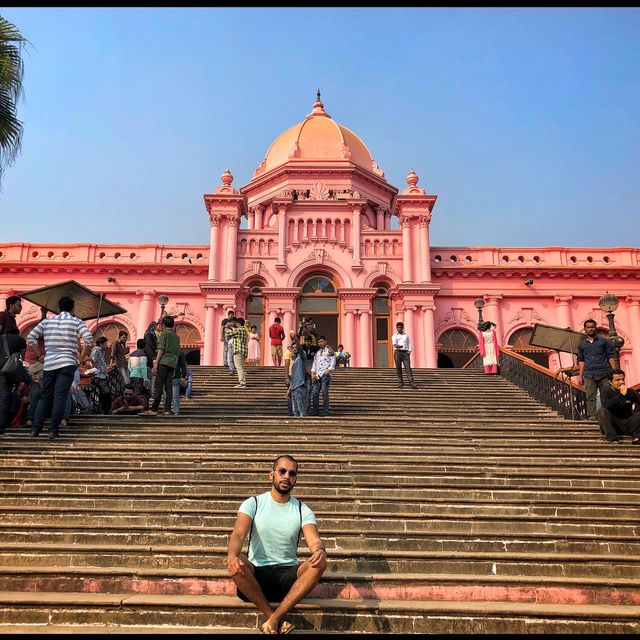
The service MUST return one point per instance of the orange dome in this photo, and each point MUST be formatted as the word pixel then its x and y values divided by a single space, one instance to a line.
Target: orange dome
pixel 318 138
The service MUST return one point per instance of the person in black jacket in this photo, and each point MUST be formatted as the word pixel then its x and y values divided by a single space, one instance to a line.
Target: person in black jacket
pixel 151 350
pixel 179 377
pixel 14 344
pixel 616 416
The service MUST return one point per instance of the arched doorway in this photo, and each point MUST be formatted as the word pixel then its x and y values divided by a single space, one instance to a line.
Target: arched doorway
pixel 519 341
pixel 457 345
pixel 382 327
pixel 190 342
pixel 110 330
pixel 255 314
pixel 319 299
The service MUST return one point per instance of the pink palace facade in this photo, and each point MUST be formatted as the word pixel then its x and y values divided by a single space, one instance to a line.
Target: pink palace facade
pixel 319 231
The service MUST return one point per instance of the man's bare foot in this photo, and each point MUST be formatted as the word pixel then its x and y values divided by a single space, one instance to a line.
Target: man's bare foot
pixel 270 626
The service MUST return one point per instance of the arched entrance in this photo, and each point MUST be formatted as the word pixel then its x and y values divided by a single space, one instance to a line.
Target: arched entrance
pixel 519 340
pixel 110 330
pixel 457 345
pixel 319 299
pixel 382 327
pixel 190 342
pixel 255 314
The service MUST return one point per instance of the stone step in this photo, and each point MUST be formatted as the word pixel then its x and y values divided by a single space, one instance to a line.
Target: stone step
pixel 344 586
pixel 343 560
pixel 214 537
pixel 364 615
pixel 516 526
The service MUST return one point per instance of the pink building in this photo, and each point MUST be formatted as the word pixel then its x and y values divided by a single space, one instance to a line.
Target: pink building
pixel 319 231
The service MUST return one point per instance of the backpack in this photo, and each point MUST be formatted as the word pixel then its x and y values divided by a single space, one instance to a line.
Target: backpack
pixel 12 367
pixel 252 519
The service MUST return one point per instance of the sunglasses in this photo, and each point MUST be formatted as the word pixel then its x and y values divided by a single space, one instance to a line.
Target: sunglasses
pixel 283 472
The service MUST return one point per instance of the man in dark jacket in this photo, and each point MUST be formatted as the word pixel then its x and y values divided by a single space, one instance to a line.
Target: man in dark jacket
pixel 616 416
pixel 179 377
pixel 151 349
pixel 15 344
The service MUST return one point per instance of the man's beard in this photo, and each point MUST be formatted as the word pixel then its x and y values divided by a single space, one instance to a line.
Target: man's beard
pixel 282 492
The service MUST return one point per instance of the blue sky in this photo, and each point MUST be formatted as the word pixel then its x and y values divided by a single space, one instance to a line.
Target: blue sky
pixel 524 122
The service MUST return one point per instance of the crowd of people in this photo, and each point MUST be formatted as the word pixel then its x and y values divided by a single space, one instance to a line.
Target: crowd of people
pixel 60 370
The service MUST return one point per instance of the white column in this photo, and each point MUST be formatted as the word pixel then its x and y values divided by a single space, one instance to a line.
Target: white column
pixel 431 356
pixel 407 271
pixel 563 314
pixel 366 344
pixel 232 248
pixel 211 334
pixel 423 250
pixel 215 248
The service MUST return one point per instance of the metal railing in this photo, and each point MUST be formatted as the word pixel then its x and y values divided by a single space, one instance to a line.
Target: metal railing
pixel 560 394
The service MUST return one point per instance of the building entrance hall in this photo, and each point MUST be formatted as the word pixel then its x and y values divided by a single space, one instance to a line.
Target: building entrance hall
pixel 319 300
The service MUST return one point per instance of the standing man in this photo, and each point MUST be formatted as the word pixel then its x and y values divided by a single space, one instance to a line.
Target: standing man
pixel 595 362
pixel 324 362
pixel 8 317
pixel 224 339
pixel 98 357
pixel 164 366
pixel 271 572
pixel 151 351
pixel 402 355
pixel 119 352
pixel 14 344
pixel 276 333
pixel 61 333
pixel 298 381
pixel 616 416
pixel 240 349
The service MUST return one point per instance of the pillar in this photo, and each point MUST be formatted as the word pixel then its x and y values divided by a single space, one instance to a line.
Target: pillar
pixel 634 336
pixel 563 315
pixel 408 326
pixel 347 341
pixel 407 271
pixel 145 313
pixel 380 219
pixel 366 346
pixel 231 248
pixel 259 213
pixel 211 334
pixel 424 251
pixel 429 350
pixel 356 235
pixel 288 326
pixel 492 312
pixel 282 233
pixel 215 252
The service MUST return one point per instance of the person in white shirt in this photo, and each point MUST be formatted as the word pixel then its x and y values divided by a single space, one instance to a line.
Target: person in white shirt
pixel 324 362
pixel 402 355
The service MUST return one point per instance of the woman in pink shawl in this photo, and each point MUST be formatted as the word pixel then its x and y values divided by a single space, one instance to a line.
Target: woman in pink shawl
pixel 488 345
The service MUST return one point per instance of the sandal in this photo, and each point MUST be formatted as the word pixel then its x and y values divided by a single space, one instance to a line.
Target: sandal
pixel 267 628
pixel 286 627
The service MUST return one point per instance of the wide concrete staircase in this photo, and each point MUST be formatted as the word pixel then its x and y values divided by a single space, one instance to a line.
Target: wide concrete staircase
pixel 459 507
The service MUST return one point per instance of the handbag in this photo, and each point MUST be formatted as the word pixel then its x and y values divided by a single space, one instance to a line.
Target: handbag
pixel 12 367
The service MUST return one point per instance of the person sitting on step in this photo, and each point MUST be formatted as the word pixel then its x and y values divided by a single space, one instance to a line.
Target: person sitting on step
pixel 342 357
pixel 274 522
pixel 128 403
pixel 616 416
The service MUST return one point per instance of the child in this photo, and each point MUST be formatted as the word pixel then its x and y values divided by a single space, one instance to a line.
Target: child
pixel 254 346
pixel 342 356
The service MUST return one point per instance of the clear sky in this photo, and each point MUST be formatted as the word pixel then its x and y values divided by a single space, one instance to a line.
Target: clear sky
pixel 524 122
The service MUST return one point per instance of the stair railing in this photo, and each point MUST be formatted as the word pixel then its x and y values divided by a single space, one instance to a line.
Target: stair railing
pixel 560 394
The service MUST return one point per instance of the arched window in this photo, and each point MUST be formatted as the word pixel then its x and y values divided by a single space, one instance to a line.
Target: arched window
pixel 188 334
pixel 255 301
pixel 318 285
pixel 381 303
pixel 111 331
pixel 458 340
pixel 519 340
pixel 457 345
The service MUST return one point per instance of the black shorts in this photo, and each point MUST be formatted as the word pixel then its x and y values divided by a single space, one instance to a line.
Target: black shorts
pixel 275 581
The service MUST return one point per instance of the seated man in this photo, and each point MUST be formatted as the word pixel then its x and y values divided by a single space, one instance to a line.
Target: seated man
pixel 342 357
pixel 616 416
pixel 274 521
pixel 128 402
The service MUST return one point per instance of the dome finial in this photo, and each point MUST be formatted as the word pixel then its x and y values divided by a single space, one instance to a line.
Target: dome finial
pixel 226 178
pixel 318 108
pixel 412 179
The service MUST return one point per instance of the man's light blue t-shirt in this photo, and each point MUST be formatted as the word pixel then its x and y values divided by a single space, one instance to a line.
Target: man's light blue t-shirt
pixel 276 525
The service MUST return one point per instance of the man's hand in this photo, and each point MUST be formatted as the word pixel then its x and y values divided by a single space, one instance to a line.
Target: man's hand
pixel 314 377
pixel 235 565
pixel 316 558
pixel 623 389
